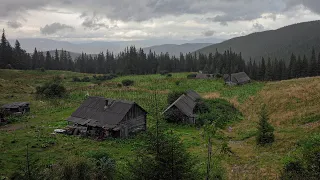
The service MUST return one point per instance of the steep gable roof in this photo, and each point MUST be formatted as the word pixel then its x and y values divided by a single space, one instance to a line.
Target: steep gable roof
pixel 94 112
pixel 193 95
pixel 238 78
pixel 185 104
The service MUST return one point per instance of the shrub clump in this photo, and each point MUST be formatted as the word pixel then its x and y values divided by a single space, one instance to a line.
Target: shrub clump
pixel 85 79
pixel 219 111
pixel 127 82
pixel 173 96
pixel 164 72
pixel 76 79
pixel 53 89
pixel 191 76
pixel 219 76
pixel 81 168
pixel 304 163
pixel 105 77
pixel 169 75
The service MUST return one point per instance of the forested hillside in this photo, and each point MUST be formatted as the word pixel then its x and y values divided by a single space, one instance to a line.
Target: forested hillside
pixel 136 61
pixel 280 43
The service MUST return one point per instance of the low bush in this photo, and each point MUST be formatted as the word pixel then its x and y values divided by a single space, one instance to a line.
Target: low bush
pixel 174 116
pixel 201 107
pixel 53 89
pixel 219 111
pixel 169 75
pixel 218 76
pixel 173 96
pixel 85 79
pixel 164 72
pixel 304 162
pixel 76 79
pixel 92 168
pixel 191 76
pixel 104 77
pixel 127 82
pixel 119 85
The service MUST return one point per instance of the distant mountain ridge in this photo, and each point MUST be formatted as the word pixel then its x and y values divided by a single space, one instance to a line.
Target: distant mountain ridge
pixel 175 50
pixel 96 47
pixel 281 43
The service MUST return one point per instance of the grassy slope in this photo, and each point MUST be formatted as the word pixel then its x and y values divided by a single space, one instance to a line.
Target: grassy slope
pixel 48 115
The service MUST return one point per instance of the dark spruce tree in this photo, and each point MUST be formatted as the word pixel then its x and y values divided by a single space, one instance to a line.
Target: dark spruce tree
pixel 304 67
pixel 313 64
pixel 265 130
pixel 269 71
pixel 163 156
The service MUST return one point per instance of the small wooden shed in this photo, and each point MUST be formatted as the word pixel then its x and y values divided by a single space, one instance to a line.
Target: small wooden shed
pixel 103 117
pixel 16 108
pixel 185 105
pixel 204 76
pixel 237 78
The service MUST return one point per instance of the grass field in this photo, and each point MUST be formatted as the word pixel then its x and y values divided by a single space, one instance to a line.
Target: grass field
pixel 293 106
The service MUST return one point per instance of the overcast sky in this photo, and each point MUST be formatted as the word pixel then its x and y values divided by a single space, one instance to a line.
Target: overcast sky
pixel 80 20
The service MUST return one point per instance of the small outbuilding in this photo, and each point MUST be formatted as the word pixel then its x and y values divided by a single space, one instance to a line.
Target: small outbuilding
pixel 237 78
pixel 16 108
pixel 102 117
pixel 183 107
pixel 204 76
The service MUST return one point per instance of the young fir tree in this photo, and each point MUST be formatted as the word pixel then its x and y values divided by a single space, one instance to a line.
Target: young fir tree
pixel 265 130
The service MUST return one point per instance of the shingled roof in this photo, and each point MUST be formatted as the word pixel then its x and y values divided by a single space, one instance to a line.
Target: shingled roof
pixel 186 103
pixel 93 112
pixel 193 95
pixel 15 105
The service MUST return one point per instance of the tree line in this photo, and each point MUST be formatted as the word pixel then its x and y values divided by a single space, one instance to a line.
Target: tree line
pixel 136 61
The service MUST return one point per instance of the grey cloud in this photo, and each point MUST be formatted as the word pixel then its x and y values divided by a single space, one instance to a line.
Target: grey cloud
pixel 141 10
pixel 14 24
pixel 313 5
pixel 93 22
pixel 54 28
pixel 208 33
pixel 258 27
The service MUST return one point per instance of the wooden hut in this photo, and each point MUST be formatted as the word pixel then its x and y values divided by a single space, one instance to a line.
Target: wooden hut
pixel 237 78
pixel 103 117
pixel 184 106
pixel 16 108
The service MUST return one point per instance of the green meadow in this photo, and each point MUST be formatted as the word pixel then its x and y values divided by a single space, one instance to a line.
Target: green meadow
pixel 150 91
